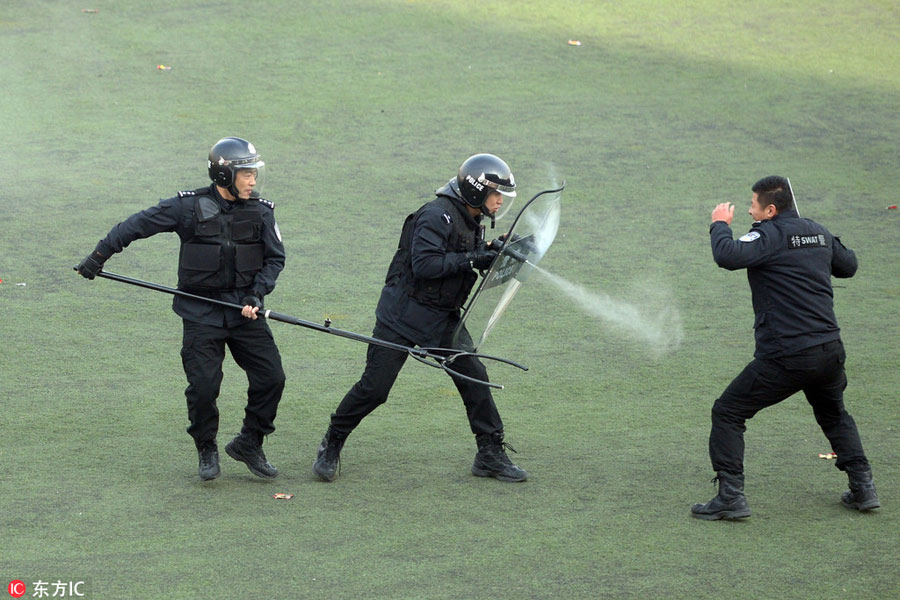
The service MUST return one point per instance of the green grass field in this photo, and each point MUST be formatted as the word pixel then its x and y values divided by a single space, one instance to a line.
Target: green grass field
pixel 361 109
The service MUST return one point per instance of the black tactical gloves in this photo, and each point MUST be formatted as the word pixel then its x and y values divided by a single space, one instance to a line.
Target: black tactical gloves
pixel 481 259
pixel 500 244
pixel 91 265
pixel 253 301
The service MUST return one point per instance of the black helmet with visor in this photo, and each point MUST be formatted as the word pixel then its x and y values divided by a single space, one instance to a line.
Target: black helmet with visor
pixel 230 155
pixel 481 174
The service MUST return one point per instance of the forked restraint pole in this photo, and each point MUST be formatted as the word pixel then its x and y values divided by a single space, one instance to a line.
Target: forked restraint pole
pixel 433 357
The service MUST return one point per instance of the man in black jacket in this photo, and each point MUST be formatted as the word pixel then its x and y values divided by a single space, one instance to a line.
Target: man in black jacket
pixel 231 250
pixel 441 247
pixel 789 262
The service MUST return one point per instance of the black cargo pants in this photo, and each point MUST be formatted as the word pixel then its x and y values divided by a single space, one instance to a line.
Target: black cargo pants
pixel 253 348
pixel 819 373
pixel 382 367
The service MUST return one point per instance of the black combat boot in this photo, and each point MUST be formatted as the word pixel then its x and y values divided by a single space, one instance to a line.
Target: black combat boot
pixel 329 456
pixel 209 461
pixel 730 502
pixel 247 448
pixel 491 459
pixel 861 495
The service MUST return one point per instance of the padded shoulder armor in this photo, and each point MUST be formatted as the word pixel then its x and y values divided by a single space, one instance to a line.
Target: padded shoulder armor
pixel 206 208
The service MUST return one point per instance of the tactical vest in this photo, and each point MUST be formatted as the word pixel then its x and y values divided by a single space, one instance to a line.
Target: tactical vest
pixel 447 292
pixel 224 249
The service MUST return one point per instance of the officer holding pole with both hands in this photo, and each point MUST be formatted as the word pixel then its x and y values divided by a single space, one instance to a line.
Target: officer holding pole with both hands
pixel 231 250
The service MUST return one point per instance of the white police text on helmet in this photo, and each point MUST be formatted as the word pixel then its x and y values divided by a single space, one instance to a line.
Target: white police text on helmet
pixel 476 183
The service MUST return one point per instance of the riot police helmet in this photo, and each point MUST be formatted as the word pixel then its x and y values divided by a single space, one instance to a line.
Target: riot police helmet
pixel 481 174
pixel 230 155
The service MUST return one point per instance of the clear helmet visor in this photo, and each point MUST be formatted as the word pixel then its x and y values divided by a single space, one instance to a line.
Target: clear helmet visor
pixel 249 179
pixel 505 199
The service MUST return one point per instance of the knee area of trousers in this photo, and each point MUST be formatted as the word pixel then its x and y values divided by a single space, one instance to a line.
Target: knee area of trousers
pixel 373 387
pixel 275 381
pixel 270 377
pixel 280 378
pixel 476 370
pixel 204 388
pixel 723 412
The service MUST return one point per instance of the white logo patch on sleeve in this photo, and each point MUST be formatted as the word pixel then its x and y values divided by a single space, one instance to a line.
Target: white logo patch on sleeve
pixel 447 218
pixel 277 232
pixel 750 236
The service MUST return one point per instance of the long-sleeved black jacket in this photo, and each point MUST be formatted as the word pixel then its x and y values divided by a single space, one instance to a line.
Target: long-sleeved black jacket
pixel 177 215
pixel 789 262
pixel 436 255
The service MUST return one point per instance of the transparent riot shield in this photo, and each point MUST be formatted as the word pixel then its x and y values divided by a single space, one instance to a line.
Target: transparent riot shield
pixel 528 239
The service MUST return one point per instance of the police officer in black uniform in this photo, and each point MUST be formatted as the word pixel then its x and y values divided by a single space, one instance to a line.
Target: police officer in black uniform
pixel 789 262
pixel 434 269
pixel 231 250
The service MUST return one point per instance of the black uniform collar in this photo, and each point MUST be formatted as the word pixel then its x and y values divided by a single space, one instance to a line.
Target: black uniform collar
pixel 451 190
pixel 463 209
pixel 787 214
pixel 225 202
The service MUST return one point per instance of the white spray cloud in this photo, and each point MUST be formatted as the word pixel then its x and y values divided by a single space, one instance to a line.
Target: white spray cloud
pixel 656 322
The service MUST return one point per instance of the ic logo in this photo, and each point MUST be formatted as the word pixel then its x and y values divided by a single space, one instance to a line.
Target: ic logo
pixel 16 588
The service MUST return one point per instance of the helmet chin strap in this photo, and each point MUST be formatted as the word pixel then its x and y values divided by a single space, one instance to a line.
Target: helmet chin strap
pixel 489 214
pixel 234 192
pixel 230 188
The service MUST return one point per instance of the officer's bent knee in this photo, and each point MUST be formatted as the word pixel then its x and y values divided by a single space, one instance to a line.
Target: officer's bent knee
pixel 721 410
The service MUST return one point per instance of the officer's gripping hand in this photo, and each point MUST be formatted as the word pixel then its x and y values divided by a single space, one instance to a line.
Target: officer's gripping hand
pixel 481 259
pixel 91 265
pixel 498 243
pixel 252 304
pixel 499 246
